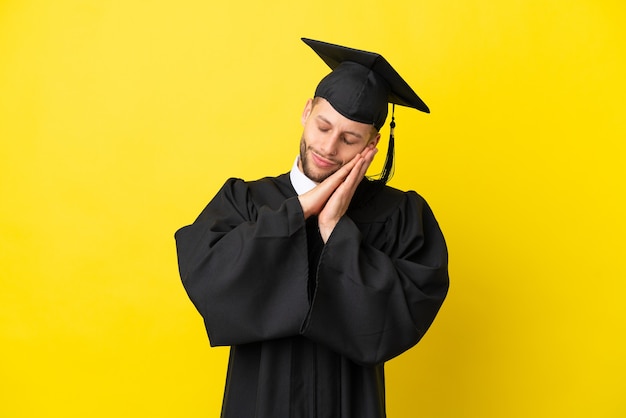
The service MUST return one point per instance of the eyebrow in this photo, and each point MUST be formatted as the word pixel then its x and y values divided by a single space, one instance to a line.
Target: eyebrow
pixel 356 134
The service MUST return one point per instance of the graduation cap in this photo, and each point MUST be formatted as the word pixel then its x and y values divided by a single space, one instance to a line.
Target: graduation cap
pixel 360 87
pixel 362 84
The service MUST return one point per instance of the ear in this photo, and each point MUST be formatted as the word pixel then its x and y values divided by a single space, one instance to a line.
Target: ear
pixel 307 111
pixel 374 141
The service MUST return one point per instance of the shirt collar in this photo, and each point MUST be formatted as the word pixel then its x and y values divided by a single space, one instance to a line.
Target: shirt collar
pixel 299 181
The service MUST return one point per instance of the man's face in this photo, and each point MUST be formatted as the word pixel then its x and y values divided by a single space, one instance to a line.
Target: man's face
pixel 330 140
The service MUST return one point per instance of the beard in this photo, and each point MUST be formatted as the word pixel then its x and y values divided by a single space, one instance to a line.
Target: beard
pixel 307 168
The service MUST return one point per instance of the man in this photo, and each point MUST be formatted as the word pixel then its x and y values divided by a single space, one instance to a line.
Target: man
pixel 316 277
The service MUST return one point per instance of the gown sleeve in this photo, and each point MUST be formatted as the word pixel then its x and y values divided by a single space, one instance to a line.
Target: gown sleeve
pixel 371 304
pixel 245 268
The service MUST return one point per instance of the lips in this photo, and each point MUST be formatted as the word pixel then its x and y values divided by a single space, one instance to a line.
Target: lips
pixel 321 161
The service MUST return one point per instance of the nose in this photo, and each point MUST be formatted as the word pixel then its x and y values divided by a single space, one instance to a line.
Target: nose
pixel 329 145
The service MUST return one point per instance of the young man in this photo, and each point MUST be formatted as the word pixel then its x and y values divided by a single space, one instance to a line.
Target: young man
pixel 316 277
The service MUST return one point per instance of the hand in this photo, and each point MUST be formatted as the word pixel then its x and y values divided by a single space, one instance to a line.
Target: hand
pixel 340 199
pixel 331 198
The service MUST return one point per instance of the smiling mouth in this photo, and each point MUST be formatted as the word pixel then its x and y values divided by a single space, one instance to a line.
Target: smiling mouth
pixel 322 162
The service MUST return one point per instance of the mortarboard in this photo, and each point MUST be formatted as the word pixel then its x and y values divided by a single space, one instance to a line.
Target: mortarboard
pixel 362 84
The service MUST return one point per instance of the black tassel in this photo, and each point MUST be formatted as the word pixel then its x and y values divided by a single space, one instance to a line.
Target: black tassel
pixel 388 168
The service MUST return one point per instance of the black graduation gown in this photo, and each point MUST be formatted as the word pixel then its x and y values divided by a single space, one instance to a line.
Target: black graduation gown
pixel 311 325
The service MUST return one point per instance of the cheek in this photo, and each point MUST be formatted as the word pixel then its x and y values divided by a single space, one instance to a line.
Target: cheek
pixel 302 144
pixel 348 152
pixel 313 138
pixel 309 133
pixel 345 154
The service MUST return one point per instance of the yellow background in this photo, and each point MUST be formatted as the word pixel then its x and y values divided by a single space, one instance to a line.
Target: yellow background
pixel 119 120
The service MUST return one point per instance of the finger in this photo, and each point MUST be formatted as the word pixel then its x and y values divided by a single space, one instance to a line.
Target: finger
pixel 354 178
pixel 369 155
pixel 313 200
pixel 347 168
pixel 361 168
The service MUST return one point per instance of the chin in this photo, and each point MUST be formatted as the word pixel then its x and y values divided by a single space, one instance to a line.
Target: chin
pixel 314 175
pixel 308 167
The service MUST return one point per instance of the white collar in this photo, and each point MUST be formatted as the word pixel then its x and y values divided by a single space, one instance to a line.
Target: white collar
pixel 299 181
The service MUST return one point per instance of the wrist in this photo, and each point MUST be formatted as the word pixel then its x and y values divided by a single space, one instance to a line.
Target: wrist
pixel 306 209
pixel 326 229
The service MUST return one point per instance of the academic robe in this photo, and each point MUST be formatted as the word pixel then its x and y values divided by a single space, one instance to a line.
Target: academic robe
pixel 310 325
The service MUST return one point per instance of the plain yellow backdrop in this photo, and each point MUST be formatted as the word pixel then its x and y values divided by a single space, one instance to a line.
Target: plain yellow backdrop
pixel 119 120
